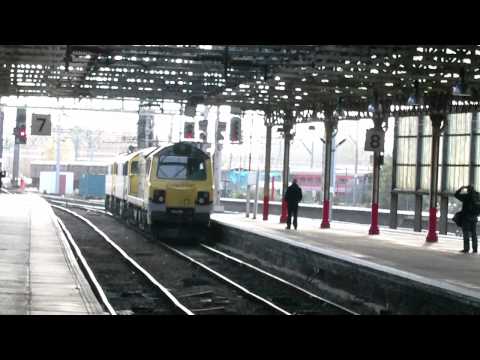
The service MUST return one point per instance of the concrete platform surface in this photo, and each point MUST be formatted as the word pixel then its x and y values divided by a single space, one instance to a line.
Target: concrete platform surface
pixel 38 271
pixel 401 252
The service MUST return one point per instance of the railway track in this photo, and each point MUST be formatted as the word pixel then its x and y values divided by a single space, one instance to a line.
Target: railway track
pixel 259 286
pixel 74 200
pixel 196 291
pixel 292 299
pixel 133 289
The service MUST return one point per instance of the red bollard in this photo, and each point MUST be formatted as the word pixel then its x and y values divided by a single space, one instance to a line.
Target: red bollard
pixel 325 220
pixel 284 215
pixel 265 207
pixel 374 230
pixel 22 184
pixel 432 226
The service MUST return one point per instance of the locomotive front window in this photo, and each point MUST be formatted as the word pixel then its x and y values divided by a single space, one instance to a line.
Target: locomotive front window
pixel 134 168
pixel 181 168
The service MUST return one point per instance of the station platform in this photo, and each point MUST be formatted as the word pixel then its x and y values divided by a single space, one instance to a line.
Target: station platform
pixel 38 271
pixel 398 252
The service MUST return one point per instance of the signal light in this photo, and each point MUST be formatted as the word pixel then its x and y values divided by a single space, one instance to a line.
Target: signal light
pixel 203 126
pixel 20 135
pixel 219 136
pixel 236 130
pixel 222 126
pixel 189 130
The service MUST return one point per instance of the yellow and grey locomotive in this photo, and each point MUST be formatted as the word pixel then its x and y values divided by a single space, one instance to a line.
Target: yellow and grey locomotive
pixel 156 186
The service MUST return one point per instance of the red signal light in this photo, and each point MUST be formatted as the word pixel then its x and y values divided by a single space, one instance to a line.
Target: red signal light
pixel 189 130
pixel 22 135
pixel 235 129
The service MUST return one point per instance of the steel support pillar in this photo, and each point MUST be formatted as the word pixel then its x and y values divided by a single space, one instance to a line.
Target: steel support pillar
pixel 57 160
pixel 417 219
pixel 473 153
pixel 393 210
pixel 374 229
pixel 145 129
pixel 217 167
pixel 16 165
pixel 266 184
pixel 443 223
pixel 21 119
pixel 330 124
pixel 287 127
pixel 378 119
pixel 394 195
pixel 1 145
pixel 437 121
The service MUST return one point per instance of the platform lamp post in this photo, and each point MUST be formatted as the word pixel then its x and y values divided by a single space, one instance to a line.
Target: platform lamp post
pixel 289 121
pixel 438 108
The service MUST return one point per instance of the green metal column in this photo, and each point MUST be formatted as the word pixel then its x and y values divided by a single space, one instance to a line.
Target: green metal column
pixel 438 119
pixel 473 153
pixel 330 124
pixel 443 222
pixel 268 155
pixel 417 221
pixel 393 194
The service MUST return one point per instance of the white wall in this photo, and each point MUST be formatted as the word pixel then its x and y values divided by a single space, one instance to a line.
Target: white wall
pixel 48 182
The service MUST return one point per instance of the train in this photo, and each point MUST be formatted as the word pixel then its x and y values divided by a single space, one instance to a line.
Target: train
pixel 162 186
pixel 311 182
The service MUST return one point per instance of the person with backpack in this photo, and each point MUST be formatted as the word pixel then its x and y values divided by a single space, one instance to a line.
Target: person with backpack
pixel 468 216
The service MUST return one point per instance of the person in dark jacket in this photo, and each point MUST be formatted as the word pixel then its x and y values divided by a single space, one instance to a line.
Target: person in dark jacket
pixel 469 217
pixel 293 196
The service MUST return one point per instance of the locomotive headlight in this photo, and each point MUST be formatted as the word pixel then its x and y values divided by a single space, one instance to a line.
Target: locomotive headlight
pixel 159 196
pixel 203 198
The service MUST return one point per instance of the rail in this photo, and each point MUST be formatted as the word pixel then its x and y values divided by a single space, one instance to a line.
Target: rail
pixel 131 261
pixel 90 275
pixel 274 277
pixel 226 280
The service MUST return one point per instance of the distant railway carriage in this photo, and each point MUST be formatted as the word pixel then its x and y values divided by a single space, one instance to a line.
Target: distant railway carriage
pixel 156 186
pixel 308 180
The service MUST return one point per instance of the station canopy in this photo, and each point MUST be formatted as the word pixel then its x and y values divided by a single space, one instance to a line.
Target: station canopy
pixel 302 78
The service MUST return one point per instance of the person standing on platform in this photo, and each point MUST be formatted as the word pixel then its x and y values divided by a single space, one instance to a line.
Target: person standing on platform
pixel 293 196
pixel 470 201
